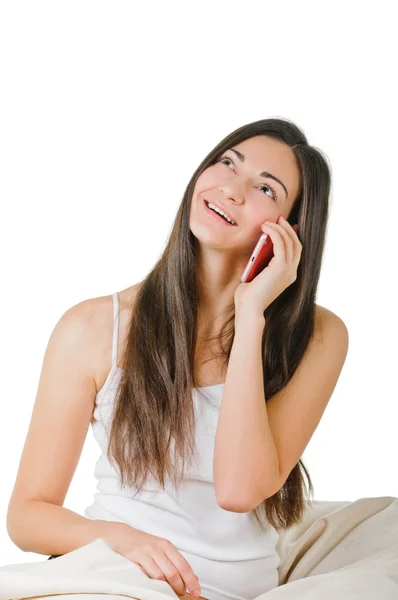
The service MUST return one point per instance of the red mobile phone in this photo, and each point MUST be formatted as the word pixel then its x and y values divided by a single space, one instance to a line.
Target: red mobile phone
pixel 261 256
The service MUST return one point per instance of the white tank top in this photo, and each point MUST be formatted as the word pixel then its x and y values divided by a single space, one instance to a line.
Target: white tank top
pixel 232 557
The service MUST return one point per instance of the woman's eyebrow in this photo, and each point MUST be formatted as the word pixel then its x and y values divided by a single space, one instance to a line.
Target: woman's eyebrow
pixel 264 173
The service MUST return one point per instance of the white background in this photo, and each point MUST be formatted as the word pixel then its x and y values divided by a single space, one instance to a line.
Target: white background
pixel 107 108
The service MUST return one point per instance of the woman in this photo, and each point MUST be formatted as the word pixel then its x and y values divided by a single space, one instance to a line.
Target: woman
pixel 231 378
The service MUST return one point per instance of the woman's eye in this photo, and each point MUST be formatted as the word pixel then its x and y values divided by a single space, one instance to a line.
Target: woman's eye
pixel 273 193
pixel 225 158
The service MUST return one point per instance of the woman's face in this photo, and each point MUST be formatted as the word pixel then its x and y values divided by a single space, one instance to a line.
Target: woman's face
pixel 238 185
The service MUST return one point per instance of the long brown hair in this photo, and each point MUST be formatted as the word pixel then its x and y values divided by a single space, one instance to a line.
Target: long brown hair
pixel 153 409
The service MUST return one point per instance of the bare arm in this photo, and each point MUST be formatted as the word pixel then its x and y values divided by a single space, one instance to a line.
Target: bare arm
pixel 36 519
pixel 258 443
pixel 245 450
pixel 44 528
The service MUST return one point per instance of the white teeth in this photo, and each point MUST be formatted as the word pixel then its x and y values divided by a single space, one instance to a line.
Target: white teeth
pixel 216 209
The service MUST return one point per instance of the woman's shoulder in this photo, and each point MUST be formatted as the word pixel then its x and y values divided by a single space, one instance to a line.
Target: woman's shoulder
pixel 325 315
pixel 99 313
pixel 329 325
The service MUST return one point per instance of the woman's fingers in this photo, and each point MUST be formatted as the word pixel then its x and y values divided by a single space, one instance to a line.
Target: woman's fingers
pixel 283 243
pixel 191 580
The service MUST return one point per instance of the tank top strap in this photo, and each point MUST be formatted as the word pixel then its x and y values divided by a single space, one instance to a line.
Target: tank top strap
pixel 115 337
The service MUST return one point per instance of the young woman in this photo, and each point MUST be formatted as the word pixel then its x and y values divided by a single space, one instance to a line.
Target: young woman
pixel 203 392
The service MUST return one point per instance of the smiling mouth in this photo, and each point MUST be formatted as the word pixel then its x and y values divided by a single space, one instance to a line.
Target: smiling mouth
pixel 234 224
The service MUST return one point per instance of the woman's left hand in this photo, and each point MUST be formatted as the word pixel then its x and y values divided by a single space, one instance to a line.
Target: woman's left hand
pixel 256 295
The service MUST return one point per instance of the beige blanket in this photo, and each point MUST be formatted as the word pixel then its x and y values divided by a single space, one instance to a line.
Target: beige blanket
pixel 342 550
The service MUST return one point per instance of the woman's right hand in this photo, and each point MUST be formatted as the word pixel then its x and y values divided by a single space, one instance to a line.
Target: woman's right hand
pixel 157 557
